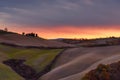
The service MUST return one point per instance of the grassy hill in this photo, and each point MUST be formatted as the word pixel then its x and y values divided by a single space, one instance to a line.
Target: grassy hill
pixel 25 41
pixel 2 32
pixel 74 63
pixel 38 59
pixel 7 73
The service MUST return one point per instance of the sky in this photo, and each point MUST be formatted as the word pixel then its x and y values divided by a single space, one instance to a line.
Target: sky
pixel 62 18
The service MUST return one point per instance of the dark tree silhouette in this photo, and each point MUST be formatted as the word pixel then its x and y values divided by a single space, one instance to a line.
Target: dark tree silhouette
pixel 23 33
pixel 32 34
pixel 6 29
pixel 36 35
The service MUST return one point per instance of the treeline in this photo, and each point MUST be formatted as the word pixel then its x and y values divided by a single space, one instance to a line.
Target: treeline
pixel 30 34
pixel 73 41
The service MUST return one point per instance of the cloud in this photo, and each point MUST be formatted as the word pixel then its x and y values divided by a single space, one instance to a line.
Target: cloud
pixel 4 17
pixel 60 12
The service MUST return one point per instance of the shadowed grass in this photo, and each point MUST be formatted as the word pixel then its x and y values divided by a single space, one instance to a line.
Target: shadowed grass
pixel 36 58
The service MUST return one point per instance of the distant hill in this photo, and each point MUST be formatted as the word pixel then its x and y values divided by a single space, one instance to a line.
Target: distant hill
pixel 109 41
pixel 22 40
pixel 2 32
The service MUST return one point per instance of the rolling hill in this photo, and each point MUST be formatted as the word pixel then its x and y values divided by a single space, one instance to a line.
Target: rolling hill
pixel 38 59
pixel 25 41
pixel 75 62
pixel 53 60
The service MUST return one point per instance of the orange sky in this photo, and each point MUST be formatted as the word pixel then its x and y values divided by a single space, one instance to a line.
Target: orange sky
pixel 62 18
pixel 70 31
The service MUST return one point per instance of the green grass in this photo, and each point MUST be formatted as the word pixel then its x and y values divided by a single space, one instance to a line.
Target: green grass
pixel 9 50
pixel 8 74
pixel 36 58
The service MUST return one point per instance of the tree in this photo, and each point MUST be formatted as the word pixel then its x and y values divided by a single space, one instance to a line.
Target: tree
pixel 6 29
pixel 23 33
pixel 36 35
pixel 31 34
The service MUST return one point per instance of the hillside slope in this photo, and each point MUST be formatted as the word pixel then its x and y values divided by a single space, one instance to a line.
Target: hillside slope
pixel 21 40
pixel 74 63
pixel 8 74
pixel 37 59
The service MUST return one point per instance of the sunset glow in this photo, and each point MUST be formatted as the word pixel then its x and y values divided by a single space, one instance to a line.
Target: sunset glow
pixel 70 32
pixel 62 18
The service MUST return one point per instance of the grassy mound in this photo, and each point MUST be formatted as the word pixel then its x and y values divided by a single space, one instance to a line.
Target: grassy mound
pixel 36 58
pixel 7 74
